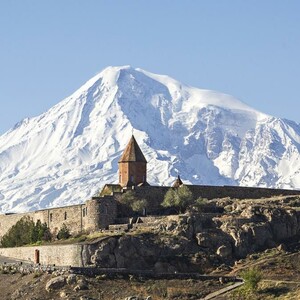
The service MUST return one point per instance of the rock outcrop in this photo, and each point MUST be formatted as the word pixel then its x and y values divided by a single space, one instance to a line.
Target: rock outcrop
pixel 197 240
pixel 55 283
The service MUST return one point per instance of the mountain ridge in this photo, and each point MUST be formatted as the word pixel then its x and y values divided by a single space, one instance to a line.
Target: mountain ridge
pixel 66 154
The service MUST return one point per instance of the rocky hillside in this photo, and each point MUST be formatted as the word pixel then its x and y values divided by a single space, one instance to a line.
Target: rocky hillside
pixel 224 232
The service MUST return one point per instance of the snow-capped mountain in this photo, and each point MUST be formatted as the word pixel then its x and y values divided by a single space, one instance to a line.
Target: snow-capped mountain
pixel 67 154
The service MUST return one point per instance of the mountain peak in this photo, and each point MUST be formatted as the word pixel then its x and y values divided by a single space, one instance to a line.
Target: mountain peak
pixel 68 153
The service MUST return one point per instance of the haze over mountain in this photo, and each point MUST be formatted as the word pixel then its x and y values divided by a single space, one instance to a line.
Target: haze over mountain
pixel 65 155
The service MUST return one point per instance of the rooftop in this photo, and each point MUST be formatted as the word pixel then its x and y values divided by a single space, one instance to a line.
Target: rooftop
pixel 133 152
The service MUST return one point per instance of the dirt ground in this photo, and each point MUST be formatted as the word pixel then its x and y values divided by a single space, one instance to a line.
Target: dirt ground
pixel 32 287
pixel 280 276
pixel 280 280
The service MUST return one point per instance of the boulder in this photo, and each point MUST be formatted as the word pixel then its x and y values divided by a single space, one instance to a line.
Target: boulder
pixel 55 283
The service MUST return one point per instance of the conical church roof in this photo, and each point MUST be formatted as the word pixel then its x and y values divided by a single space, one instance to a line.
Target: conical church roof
pixel 178 182
pixel 133 152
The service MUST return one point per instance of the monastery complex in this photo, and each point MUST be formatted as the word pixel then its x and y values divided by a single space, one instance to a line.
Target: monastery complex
pixel 106 208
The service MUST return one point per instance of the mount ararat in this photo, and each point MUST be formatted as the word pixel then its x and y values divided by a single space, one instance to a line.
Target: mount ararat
pixel 65 155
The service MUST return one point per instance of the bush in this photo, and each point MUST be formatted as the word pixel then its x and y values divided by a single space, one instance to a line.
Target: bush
pixel 64 232
pixel 25 232
pixel 179 198
pixel 200 203
pixel 40 232
pixel 137 205
pixel 128 198
pixel 251 277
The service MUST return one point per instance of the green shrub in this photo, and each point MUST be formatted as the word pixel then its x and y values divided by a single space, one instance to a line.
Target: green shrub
pixel 40 232
pixel 179 198
pixel 200 203
pixel 251 277
pixel 64 232
pixel 24 232
pixel 137 205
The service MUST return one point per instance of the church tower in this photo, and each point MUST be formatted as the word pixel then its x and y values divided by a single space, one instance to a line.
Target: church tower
pixel 132 166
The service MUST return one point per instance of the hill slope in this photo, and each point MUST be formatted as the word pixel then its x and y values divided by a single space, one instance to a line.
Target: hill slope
pixel 66 154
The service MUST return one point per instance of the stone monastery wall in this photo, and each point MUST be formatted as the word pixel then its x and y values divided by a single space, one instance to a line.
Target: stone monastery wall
pixel 155 194
pixel 237 192
pixel 92 215
pixel 71 216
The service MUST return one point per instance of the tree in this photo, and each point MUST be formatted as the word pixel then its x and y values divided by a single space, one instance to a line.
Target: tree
pixel 170 199
pixel 42 232
pixel 24 232
pixel 179 198
pixel 64 232
pixel 19 234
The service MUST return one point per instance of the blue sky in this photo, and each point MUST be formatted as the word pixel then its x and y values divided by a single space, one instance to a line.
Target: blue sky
pixel 249 49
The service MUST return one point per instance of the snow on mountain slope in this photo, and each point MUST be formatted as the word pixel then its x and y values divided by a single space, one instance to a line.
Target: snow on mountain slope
pixel 68 153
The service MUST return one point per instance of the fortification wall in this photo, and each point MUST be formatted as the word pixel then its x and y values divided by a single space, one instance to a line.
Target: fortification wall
pixel 155 194
pixel 95 214
pixel 71 216
pixel 238 192
pixel 102 211
pixel 59 255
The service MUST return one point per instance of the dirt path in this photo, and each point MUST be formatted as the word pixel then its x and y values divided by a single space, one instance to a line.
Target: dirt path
pixel 223 290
